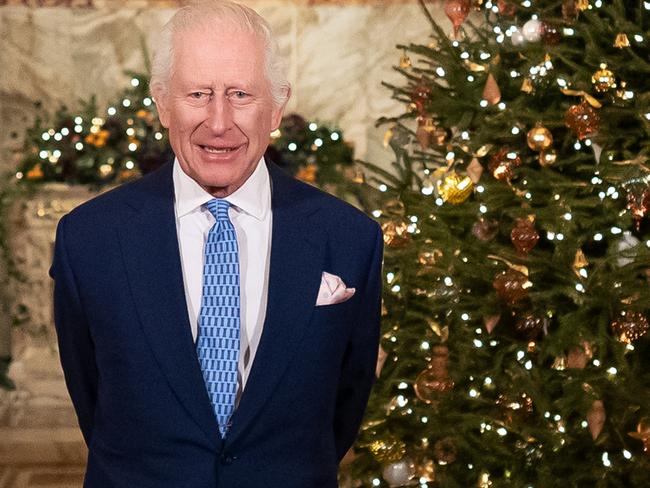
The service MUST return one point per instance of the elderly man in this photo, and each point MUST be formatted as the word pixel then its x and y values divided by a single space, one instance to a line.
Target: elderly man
pixel 218 321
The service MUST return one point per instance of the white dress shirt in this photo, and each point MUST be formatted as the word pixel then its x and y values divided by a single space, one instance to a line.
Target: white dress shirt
pixel 250 213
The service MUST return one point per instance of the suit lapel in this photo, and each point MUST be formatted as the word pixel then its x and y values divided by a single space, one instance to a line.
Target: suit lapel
pixel 297 255
pixel 151 253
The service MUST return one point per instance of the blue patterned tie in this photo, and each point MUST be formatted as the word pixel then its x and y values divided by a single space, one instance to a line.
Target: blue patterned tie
pixel 218 337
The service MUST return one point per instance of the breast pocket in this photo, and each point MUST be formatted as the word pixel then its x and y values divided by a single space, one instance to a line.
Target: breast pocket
pixel 336 314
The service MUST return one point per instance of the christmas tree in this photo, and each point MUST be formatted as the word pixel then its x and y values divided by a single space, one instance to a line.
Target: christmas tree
pixel 515 350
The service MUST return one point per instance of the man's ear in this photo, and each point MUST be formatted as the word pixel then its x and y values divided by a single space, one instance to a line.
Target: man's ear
pixel 278 111
pixel 160 97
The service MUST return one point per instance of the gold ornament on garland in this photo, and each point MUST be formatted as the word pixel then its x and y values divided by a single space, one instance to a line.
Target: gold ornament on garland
pixel 455 189
pixel 630 326
pixel 502 164
pixel 36 173
pixel 603 79
pixel 642 433
pixel 307 173
pixel 621 41
pixel 404 61
pixel 396 233
pixel 539 138
pixel 388 450
pixel 426 471
pixel 527 86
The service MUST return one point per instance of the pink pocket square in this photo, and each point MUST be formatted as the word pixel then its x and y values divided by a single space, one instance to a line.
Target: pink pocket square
pixel 332 290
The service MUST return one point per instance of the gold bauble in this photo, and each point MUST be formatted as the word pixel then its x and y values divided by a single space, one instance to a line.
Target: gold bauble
pixel 388 450
pixel 404 61
pixel 630 326
pixel 547 158
pixel 455 189
pixel 603 79
pixel 396 233
pixel 36 173
pixel 539 138
pixel 307 173
pixel 642 433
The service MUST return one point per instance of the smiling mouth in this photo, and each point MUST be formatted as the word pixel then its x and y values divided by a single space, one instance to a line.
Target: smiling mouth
pixel 218 150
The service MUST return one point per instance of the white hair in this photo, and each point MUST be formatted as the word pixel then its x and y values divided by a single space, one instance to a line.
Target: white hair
pixel 218 13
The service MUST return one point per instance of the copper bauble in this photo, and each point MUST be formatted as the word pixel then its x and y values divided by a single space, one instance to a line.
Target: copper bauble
pixel 579 356
pixel 539 138
pixel 603 79
pixel 420 96
pixel 506 8
pixel 457 11
pixel 529 326
pixel 582 119
pixel 485 229
pixel 511 285
pixel 638 203
pixel 630 327
pixel 502 164
pixel 550 34
pixel 547 158
pixel 428 386
pixel 570 11
pixel 524 236
pixel 396 233
pixel 491 90
pixel 445 450
pixel 596 417
pixel 455 189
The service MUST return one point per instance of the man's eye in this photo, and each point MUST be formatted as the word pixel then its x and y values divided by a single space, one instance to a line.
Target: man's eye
pixel 240 94
pixel 198 95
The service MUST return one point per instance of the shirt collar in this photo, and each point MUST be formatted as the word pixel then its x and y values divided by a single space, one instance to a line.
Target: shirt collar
pixel 252 197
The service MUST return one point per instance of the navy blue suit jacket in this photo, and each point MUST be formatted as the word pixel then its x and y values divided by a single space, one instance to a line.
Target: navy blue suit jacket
pixel 131 366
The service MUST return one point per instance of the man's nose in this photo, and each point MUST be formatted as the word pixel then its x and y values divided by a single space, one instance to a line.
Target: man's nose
pixel 219 116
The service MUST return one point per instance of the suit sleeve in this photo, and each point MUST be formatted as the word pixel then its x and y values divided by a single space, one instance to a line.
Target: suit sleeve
pixel 358 370
pixel 76 347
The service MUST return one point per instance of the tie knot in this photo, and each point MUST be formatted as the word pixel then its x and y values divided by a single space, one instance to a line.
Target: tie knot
pixel 219 209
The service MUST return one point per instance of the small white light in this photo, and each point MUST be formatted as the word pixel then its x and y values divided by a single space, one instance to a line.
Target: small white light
pixel 133 146
pixel 334 136
pixel 390 277
pixel 567 216
pixel 580 288
pixel 129 165
pixel 135 82
pixel 318 142
pixel 502 431
pixel 502 105
pixel 598 236
pixel 78 120
pixel 376 213
pixel 528 365
pixel 395 289
pixel 596 362
pixel 616 230
pixel 424 346
pixel 528 195
pixel 480 188
pixel 520 355
pixel 515 130
pixel 464 135
pixel 484 56
pixel 577 146
pixel 45 136
pixel 440 71
pixel 568 31
pixel 583 272
pixel 584 424
pixel 550 235
pixel 130 131
pixel 547 415
pixel 483 103
pixel 111 110
pixel 146 101
pixel 383 187
pixel 402 386
pixel 313 126
pixel 19 175
pixel 376 482
pixel 450 155
pixel 65 131
pixel 424 420
pixel 56 153
pixel 126 102
pixel 402 401
pixel 561 82
pixel 560 237
pixel 292 146
pixel 79 146
pixel 78 129
pixel 478 343
pixel 606 462
pixel 627 454
pixel 612 370
pixel 440 202
pixel 158 136
pixel 470 78
pixel 43 154
pixel 448 281
pixel 465 317
pixel 638 37
pixel 488 381
pixel 473 393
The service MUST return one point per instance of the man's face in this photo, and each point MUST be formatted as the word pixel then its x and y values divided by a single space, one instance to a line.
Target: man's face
pixel 218 106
